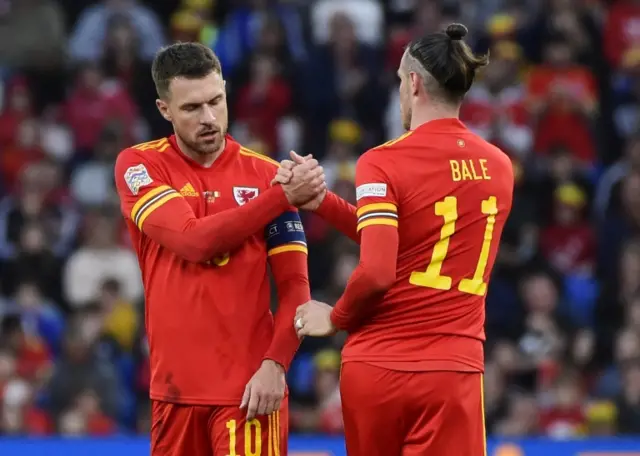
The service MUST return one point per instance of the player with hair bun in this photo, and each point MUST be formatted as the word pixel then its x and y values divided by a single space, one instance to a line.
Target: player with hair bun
pixel 431 206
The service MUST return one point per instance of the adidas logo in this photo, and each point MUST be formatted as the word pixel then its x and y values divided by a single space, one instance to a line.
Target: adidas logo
pixel 188 190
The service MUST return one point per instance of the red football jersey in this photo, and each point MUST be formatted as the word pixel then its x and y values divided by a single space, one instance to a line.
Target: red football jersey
pixel 449 193
pixel 208 322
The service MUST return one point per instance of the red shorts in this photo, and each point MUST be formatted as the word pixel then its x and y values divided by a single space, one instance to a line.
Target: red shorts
pixel 193 430
pixel 397 413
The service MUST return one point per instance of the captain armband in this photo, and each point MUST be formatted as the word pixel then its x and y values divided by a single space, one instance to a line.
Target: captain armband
pixel 285 234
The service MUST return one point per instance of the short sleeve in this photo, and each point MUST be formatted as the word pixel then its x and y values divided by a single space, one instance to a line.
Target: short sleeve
pixel 377 202
pixel 140 187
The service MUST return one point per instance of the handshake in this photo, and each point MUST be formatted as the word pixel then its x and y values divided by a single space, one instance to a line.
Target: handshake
pixel 302 179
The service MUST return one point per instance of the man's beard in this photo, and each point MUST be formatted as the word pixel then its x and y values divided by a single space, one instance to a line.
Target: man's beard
pixel 205 147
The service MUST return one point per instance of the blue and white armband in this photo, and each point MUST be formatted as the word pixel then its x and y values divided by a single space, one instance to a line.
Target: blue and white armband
pixel 285 234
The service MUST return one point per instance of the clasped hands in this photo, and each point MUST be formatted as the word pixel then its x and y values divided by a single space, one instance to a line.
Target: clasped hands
pixel 302 179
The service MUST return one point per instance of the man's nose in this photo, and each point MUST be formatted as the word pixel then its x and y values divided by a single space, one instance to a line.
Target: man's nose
pixel 208 115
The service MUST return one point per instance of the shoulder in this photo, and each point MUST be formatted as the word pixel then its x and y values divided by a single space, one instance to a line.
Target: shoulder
pixel 400 141
pixel 380 156
pixel 147 152
pixel 138 163
pixel 497 155
pixel 257 160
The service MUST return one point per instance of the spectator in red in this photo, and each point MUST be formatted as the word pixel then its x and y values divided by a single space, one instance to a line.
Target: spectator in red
pixel 562 95
pixel 621 33
pixel 88 405
pixel 17 109
pixel 95 102
pixel 565 418
pixel 568 243
pixel 33 359
pixel 22 151
pixel 263 102
pixel 495 107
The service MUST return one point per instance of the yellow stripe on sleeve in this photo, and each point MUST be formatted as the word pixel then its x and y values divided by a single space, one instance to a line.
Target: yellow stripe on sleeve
pixel 288 248
pixel 376 207
pixel 149 210
pixel 377 221
pixel 147 197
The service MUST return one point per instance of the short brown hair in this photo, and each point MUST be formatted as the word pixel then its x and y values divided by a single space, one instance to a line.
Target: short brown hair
pixel 449 61
pixel 188 60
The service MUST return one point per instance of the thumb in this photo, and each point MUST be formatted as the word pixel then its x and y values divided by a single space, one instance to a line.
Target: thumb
pixel 246 396
pixel 297 158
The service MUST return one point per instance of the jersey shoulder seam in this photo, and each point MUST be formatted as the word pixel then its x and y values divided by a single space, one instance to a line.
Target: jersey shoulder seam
pixel 156 145
pixel 258 156
pixel 394 141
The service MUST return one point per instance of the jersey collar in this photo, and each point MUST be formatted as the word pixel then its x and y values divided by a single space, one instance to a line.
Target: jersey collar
pixel 448 124
pixel 228 154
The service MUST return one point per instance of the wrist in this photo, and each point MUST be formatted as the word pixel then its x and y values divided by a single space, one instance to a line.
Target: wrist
pixel 324 204
pixel 273 363
pixel 334 317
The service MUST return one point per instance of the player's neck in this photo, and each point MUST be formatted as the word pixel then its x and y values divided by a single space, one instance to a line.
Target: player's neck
pixel 423 114
pixel 203 160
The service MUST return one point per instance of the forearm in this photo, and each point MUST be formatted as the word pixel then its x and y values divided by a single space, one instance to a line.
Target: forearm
pixel 200 239
pixel 340 214
pixel 373 276
pixel 291 277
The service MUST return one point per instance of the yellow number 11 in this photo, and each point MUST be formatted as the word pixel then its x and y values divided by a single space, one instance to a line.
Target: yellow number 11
pixel 431 278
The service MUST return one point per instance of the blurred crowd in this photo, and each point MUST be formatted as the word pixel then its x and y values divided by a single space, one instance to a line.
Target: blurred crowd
pixel 560 97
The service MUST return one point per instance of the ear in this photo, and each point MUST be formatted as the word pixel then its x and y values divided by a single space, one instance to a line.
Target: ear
pixel 163 107
pixel 416 82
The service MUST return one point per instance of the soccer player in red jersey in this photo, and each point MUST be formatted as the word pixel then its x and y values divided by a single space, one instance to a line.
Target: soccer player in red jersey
pixel 431 206
pixel 206 225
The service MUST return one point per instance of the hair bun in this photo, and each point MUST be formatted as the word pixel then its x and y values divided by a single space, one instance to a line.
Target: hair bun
pixel 456 31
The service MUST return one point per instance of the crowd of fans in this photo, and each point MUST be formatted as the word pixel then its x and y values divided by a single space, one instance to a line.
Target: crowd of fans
pixel 560 97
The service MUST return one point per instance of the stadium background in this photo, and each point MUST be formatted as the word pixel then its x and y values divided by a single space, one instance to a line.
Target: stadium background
pixel 560 97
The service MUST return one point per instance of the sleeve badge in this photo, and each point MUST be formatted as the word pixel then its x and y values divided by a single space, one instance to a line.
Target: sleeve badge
pixel 137 177
pixel 371 190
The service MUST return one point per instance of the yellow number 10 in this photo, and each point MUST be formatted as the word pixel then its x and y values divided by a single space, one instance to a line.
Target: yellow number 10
pixel 253 443
pixel 431 278
pixel 250 427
